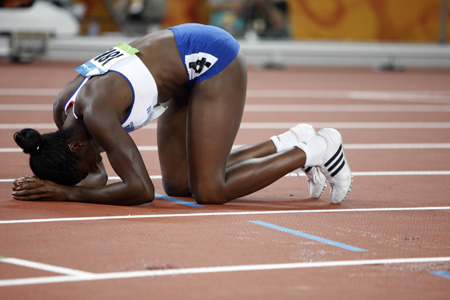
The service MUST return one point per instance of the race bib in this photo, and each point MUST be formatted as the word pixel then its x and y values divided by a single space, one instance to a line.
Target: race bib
pixel 103 62
pixel 198 63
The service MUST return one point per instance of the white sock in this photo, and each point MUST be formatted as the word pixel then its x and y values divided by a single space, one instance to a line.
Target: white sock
pixel 315 148
pixel 293 136
pixel 284 141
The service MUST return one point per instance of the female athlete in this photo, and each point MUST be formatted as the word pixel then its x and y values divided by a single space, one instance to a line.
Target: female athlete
pixel 193 78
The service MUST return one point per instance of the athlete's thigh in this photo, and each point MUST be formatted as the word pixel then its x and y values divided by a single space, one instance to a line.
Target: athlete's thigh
pixel 215 112
pixel 172 147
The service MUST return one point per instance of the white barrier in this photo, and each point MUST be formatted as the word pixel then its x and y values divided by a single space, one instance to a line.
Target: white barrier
pixel 64 44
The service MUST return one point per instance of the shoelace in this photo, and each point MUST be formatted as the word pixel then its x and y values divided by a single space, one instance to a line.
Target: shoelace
pixel 299 172
pixel 315 174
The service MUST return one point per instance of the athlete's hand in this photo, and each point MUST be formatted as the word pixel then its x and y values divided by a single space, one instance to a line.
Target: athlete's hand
pixel 24 179
pixel 32 188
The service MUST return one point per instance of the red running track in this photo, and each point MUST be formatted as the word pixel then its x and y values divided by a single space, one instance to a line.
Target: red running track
pixel 275 243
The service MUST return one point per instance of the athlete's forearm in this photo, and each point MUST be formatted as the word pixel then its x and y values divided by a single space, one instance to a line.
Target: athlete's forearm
pixel 97 178
pixel 118 193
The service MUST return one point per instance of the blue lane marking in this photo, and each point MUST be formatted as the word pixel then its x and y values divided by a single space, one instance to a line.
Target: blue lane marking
pixel 309 236
pixel 178 201
pixel 441 273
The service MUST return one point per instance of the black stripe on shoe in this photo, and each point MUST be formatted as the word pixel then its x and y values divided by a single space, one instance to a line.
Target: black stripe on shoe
pixel 338 161
pixel 307 169
pixel 338 169
pixel 334 156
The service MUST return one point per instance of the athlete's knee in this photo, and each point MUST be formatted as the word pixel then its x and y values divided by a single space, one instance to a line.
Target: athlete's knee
pixel 208 193
pixel 203 197
pixel 176 189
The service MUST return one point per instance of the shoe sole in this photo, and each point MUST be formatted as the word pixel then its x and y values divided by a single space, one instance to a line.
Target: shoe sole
pixel 321 193
pixel 345 162
pixel 336 163
pixel 323 186
pixel 351 176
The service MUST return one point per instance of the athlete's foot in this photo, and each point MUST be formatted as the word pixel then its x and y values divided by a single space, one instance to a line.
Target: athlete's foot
pixel 303 131
pixel 334 166
pixel 317 181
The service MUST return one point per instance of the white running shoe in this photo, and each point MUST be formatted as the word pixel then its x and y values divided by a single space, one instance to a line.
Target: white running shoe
pixel 317 181
pixel 334 166
pixel 303 131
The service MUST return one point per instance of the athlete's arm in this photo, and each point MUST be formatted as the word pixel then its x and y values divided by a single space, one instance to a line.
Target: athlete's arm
pixel 59 115
pixel 99 177
pixel 135 187
pixel 96 178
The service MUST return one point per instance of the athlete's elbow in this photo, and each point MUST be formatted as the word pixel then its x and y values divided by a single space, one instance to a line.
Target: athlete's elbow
pixel 143 193
pixel 146 195
pixel 141 199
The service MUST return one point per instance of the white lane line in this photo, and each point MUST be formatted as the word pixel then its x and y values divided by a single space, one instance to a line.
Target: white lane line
pixel 278 125
pixel 10 150
pixel 344 108
pixel 367 173
pixel 401 173
pixel 29 92
pixel 284 108
pixel 26 107
pixel 349 125
pixel 41 266
pixel 215 214
pixel 219 269
pixel 347 146
pixel 408 95
pixel 20 126
pixel 356 174
pixel 397 146
pixel 155 177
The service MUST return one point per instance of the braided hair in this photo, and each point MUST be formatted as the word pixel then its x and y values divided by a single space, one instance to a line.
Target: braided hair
pixel 50 156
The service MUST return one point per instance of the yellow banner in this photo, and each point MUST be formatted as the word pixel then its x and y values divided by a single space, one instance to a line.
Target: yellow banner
pixel 379 20
pixel 186 11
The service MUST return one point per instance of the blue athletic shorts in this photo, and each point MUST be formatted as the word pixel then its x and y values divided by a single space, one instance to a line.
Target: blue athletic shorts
pixel 205 50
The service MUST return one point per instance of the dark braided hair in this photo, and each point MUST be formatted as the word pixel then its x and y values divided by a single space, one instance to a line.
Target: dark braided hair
pixel 50 155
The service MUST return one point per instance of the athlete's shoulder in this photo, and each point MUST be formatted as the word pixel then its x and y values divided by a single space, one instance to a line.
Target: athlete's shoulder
pixel 66 92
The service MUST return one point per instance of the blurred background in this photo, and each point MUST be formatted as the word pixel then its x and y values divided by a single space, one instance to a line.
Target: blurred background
pixel 389 34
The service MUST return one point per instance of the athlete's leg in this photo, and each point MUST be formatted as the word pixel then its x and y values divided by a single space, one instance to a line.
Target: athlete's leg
pixel 214 115
pixel 172 148
pixel 278 143
pixel 251 151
